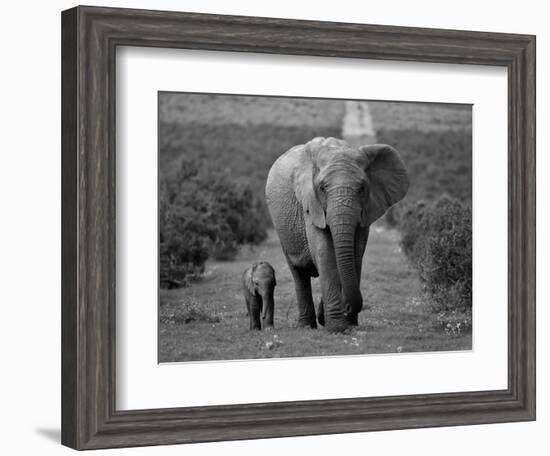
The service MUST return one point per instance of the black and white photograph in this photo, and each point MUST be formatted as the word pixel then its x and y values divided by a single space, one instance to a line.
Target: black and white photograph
pixel 301 227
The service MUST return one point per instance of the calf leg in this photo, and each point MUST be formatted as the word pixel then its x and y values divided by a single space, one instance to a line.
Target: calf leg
pixel 254 312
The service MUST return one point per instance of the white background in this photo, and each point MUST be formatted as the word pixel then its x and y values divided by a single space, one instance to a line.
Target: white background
pixel 30 241
pixel 142 383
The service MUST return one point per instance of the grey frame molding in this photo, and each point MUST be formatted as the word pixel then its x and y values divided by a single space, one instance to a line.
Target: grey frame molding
pixel 90 36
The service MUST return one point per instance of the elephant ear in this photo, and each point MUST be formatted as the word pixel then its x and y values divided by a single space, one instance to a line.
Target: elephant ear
pixel 388 180
pixel 304 176
pixel 248 280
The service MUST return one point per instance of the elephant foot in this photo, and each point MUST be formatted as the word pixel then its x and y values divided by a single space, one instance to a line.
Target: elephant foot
pixel 307 323
pixel 353 319
pixel 340 325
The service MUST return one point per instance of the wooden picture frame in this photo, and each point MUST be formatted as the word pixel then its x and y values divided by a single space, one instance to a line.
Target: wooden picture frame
pixel 90 36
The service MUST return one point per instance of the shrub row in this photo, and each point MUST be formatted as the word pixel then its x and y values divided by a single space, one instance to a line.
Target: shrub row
pixel 204 213
pixel 437 240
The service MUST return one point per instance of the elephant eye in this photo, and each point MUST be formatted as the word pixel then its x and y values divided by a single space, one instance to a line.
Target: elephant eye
pixel 322 187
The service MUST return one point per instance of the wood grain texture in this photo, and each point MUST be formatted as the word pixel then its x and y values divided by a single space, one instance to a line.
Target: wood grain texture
pixel 89 40
pixel 69 233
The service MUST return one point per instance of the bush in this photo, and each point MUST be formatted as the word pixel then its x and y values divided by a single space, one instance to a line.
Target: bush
pixel 202 214
pixel 437 240
pixel 410 224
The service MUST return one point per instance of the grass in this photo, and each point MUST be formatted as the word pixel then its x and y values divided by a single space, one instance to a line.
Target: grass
pixel 398 320
pixel 214 109
pixel 425 117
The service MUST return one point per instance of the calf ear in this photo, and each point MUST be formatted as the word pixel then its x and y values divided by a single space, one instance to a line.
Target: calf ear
pixel 388 180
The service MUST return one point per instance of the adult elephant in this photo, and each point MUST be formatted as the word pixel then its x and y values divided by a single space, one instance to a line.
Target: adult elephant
pixel 322 197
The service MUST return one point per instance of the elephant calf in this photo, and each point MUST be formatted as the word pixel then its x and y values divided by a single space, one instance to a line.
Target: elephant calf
pixel 258 286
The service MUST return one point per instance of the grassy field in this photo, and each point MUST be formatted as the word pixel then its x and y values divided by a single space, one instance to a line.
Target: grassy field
pixel 245 135
pixel 425 117
pixel 397 322
pixel 214 109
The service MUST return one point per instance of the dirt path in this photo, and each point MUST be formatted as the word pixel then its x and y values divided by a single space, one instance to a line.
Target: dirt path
pixel 357 124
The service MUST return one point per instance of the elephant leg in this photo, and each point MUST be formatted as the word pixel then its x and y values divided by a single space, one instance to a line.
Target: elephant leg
pixel 255 309
pixel 321 313
pixel 334 318
pixel 306 308
pixel 247 302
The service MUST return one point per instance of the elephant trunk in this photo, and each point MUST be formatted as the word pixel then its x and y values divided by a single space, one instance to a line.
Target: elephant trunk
pixel 267 299
pixel 343 224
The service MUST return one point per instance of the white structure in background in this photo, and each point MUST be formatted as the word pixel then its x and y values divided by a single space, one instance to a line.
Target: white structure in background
pixel 357 125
